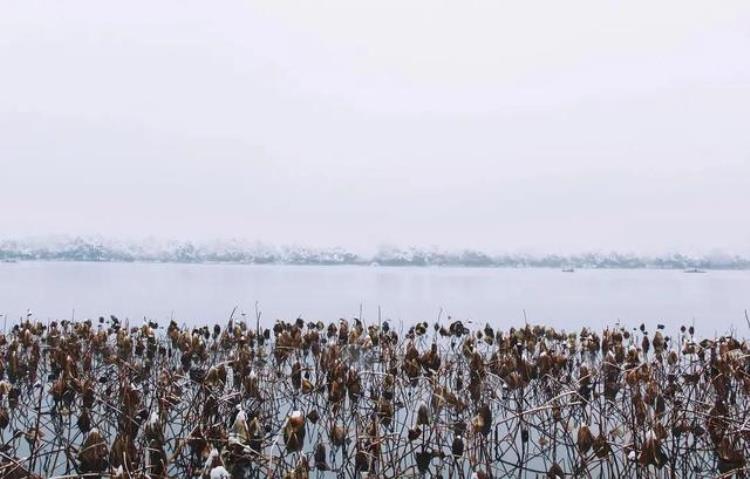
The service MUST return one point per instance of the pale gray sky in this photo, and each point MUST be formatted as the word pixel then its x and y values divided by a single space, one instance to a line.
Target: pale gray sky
pixel 535 126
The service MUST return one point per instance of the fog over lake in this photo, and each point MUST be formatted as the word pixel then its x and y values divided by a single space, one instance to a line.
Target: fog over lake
pixel 205 293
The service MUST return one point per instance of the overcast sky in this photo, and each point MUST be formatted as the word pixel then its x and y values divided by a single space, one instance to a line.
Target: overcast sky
pixel 533 126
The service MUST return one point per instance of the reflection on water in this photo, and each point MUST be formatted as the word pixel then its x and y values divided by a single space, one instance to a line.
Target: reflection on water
pixel 206 293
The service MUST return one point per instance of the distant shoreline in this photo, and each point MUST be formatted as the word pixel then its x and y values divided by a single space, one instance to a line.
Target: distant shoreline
pixel 82 249
pixel 703 269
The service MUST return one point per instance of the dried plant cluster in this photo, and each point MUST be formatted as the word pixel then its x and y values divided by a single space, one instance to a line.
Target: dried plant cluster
pixel 349 399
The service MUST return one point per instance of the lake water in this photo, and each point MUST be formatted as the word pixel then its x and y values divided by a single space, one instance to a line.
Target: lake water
pixel 206 293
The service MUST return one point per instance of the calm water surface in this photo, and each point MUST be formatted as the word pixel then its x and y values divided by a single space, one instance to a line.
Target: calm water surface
pixel 201 293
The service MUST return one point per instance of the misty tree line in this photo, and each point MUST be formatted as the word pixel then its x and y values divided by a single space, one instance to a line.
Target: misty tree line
pixel 82 249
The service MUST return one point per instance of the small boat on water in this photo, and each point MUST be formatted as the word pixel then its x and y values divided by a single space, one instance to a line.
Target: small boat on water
pixel 694 270
pixel 568 270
